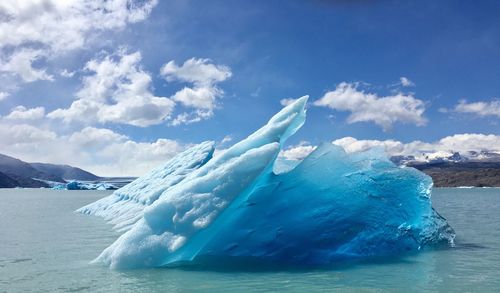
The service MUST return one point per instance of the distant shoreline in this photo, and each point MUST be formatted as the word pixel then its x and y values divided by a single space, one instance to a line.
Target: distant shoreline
pixel 461 174
pixel 17 173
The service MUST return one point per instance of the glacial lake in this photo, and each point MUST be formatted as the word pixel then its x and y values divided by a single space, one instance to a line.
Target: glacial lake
pixel 46 247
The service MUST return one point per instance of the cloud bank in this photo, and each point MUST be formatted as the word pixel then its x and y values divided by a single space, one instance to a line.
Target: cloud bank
pixel 117 90
pixel 99 150
pixel 481 109
pixel 32 29
pixel 462 143
pixel 368 107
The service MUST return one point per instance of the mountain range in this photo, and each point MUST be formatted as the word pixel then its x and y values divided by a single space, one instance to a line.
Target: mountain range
pixel 17 173
pixel 450 156
pixel 452 169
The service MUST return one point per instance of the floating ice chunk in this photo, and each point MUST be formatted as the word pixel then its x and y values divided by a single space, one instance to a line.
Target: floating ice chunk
pixel 76 185
pixel 330 206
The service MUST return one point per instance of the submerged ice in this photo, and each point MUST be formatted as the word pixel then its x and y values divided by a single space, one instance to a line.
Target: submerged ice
pixel 330 206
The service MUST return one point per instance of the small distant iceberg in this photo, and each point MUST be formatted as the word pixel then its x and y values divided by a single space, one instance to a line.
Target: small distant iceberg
pixel 246 203
pixel 77 185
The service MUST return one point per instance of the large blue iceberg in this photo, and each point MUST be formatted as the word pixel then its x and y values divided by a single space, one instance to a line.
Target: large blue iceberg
pixel 242 204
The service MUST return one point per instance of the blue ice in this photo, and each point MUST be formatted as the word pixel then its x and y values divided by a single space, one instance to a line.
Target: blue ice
pixel 331 206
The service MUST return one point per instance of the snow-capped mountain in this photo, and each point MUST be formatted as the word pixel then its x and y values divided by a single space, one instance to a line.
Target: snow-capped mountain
pixel 484 156
pixel 447 156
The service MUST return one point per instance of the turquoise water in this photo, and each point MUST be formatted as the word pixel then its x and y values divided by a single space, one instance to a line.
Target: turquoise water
pixel 46 247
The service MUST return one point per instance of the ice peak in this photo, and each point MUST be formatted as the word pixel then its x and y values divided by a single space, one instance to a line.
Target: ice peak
pixel 283 124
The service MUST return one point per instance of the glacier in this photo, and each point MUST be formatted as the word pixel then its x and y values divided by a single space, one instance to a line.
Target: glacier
pixel 248 203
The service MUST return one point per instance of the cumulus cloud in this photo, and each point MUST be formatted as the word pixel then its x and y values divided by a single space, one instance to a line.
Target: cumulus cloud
pixel 15 135
pixel 455 143
pixel 297 152
pixel 66 25
pixel 405 82
pixel 55 27
pixel 462 143
pixel 191 117
pixel 116 90
pixel 286 102
pixel 3 95
pixel 98 150
pixel 203 98
pixel 481 109
pixel 204 93
pixel 368 107
pixel 197 71
pixel 20 63
pixel 91 138
pixel 23 113
pixel 351 144
pixel 470 142
pixel 66 73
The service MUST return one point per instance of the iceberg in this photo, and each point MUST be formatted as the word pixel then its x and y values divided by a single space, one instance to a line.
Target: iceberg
pixel 77 185
pixel 246 203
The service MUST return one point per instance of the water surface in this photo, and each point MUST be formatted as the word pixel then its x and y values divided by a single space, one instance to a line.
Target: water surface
pixel 46 247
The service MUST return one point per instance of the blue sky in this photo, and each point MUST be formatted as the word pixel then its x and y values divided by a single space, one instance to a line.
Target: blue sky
pixel 259 53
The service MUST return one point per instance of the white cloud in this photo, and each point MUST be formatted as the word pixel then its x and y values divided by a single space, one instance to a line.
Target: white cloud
pixel 197 71
pixel 286 102
pixel 406 82
pixel 297 152
pixel 470 142
pixel 482 109
pixel 21 63
pixel 66 73
pixel 199 97
pixel 203 96
pixel 191 117
pixel 351 144
pixel 95 138
pixel 65 25
pixel 366 107
pixel 226 139
pixel 4 95
pixel 55 27
pixel 462 143
pixel 116 90
pixel 137 158
pixel 15 136
pixel 23 113
pixel 98 150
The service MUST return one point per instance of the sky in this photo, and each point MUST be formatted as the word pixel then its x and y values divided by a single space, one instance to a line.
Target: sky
pixel 117 87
